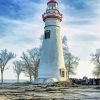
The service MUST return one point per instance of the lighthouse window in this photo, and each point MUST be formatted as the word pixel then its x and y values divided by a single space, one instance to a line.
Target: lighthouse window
pixel 54 6
pixel 50 6
pixel 47 34
pixel 62 73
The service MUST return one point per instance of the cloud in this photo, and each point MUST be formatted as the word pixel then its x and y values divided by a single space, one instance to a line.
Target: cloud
pixel 21 30
pixel 2 31
pixel 86 38
pixel 8 8
pixel 19 9
pixel 80 12
pixel 78 22
pixel 18 36
pixel 81 26
pixel 80 8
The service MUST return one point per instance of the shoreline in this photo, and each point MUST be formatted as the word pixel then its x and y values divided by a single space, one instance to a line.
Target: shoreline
pixel 44 92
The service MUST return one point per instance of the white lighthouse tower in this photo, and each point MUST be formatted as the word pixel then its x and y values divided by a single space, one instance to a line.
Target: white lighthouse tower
pixel 52 67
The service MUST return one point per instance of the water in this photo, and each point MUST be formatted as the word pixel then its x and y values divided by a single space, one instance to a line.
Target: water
pixel 13 81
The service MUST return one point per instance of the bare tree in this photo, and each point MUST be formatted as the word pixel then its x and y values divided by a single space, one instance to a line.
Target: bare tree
pixel 41 39
pixel 96 60
pixel 18 68
pixel 28 65
pixel 96 72
pixel 65 45
pixel 71 62
pixel 5 57
pixel 35 56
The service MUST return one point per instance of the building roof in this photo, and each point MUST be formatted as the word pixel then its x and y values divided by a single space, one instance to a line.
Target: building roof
pixel 52 1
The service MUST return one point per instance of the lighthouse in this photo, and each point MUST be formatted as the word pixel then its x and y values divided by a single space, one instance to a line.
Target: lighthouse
pixel 52 67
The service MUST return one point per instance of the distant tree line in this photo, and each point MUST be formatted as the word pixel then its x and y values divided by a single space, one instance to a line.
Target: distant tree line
pixel 29 61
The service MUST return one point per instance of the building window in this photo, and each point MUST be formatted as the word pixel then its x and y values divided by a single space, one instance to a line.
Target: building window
pixel 62 73
pixel 47 34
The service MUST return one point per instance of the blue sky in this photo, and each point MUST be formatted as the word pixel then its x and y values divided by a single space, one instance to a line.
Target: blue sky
pixel 21 26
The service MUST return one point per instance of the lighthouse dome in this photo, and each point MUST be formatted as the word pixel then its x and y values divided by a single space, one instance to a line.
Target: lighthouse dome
pixel 52 11
pixel 52 1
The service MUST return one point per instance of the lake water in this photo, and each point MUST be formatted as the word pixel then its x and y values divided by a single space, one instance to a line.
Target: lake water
pixel 13 81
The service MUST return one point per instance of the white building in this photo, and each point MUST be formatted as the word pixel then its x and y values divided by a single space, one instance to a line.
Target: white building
pixel 51 67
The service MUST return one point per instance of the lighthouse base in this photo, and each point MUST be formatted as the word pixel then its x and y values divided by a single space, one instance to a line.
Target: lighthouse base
pixel 45 80
pixel 51 76
pixel 48 80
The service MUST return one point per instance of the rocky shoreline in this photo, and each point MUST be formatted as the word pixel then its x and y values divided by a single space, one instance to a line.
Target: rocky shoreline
pixel 48 92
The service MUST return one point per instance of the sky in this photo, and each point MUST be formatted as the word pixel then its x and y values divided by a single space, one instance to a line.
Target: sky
pixel 21 27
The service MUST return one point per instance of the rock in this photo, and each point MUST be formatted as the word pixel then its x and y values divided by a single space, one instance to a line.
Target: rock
pixel 39 90
pixel 62 84
pixel 97 87
pixel 54 91
pixel 45 92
